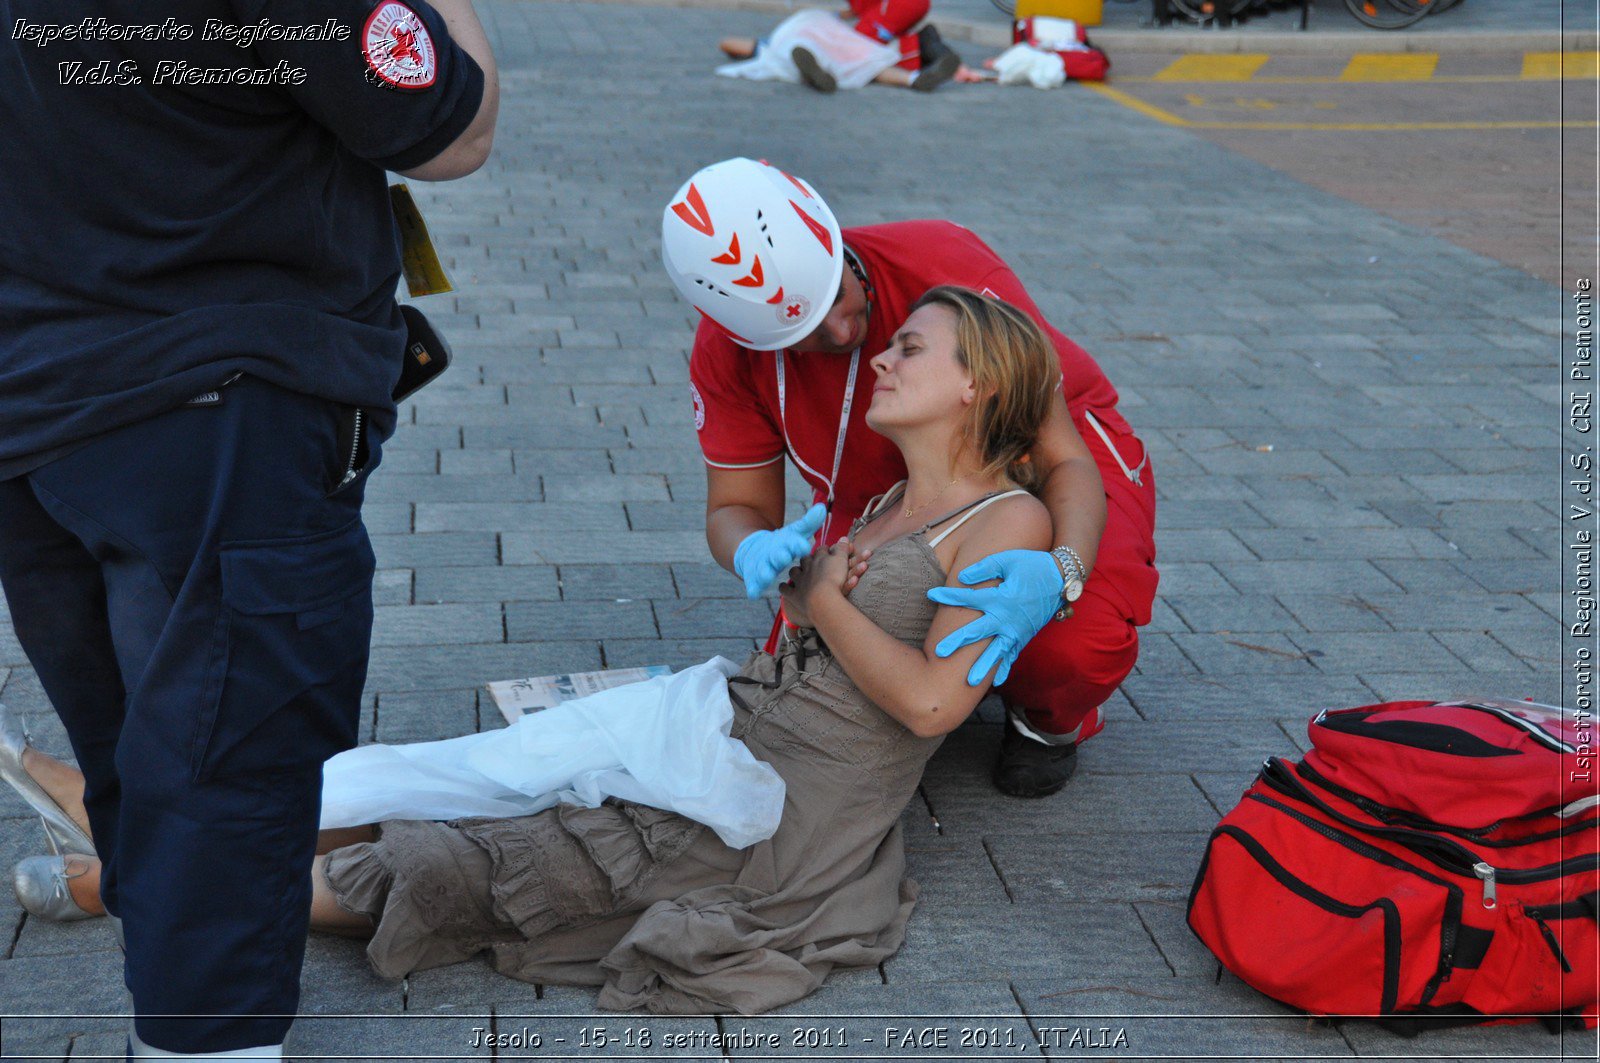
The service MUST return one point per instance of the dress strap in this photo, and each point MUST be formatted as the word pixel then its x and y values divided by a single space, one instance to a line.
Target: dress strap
pixel 966 513
pixel 878 505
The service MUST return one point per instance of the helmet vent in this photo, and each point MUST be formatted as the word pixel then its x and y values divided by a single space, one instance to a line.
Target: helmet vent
pixel 707 284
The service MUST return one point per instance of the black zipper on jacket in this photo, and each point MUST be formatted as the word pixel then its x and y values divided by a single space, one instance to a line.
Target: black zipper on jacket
pixel 1306 891
pixel 350 469
pixel 1450 924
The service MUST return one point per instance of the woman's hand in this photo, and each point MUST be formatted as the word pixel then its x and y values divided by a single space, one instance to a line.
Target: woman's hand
pixel 858 563
pixel 816 577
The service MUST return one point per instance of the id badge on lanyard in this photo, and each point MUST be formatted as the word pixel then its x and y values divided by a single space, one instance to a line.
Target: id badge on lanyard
pixel 844 428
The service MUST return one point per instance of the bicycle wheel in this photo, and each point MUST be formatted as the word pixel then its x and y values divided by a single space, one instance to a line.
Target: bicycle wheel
pixel 1203 11
pixel 1389 14
pixel 1434 7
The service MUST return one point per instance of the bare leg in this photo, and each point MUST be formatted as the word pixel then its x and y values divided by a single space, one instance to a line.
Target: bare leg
pixel 326 915
pixel 737 47
pixel 64 784
pixel 83 879
pixel 339 837
pixel 61 781
pixel 898 76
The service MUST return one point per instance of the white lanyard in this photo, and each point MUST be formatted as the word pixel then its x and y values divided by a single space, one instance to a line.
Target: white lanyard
pixel 1132 474
pixel 844 422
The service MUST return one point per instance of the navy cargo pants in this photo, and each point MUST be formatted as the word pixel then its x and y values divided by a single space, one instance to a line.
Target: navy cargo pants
pixel 195 593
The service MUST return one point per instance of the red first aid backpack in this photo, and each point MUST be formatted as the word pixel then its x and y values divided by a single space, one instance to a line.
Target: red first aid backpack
pixel 1426 864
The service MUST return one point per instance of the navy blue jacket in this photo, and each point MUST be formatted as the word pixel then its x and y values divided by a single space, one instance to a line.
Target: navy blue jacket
pixel 174 209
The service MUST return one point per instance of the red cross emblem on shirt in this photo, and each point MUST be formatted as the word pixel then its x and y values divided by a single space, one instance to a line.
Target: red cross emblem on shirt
pixel 792 310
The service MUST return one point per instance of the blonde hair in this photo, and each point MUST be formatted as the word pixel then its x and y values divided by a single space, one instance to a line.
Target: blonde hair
pixel 1014 370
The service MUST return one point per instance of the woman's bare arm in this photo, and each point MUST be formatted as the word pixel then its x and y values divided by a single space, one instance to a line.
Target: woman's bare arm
pixel 925 692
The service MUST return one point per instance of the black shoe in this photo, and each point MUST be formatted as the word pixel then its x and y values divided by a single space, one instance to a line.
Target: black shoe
pixel 939 60
pixel 811 71
pixel 1027 768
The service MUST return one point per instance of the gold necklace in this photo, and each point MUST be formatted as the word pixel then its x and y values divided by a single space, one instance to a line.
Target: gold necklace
pixel 909 510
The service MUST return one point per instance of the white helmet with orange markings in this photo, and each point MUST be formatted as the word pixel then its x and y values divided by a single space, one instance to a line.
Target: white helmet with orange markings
pixel 756 250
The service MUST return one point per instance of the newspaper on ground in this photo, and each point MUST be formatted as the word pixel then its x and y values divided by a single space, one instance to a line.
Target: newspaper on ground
pixel 516 698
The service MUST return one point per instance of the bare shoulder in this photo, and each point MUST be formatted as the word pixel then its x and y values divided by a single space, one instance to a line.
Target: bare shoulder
pixel 1020 522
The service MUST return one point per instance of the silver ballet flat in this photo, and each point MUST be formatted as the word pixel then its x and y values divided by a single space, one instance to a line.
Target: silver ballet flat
pixel 41 886
pixel 63 835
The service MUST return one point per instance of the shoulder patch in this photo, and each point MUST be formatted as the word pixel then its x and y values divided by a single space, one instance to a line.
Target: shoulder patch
pixel 397 47
pixel 699 409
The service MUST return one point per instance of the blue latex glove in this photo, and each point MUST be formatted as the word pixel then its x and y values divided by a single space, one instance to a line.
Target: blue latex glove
pixel 1028 595
pixel 766 555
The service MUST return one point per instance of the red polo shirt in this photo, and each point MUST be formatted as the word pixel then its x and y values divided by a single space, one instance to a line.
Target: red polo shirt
pixel 743 424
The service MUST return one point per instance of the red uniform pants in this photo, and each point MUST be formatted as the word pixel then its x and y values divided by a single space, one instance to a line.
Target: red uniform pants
pixel 1072 666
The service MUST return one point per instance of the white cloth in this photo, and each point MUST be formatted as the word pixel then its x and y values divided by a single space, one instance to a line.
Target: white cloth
pixel 664 742
pixel 1022 65
pixel 1055 34
pixel 852 58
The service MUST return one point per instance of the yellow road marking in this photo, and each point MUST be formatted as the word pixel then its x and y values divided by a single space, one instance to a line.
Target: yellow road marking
pixel 1555 65
pixel 1240 67
pixel 1445 79
pixel 1404 66
pixel 1380 127
pixel 1374 67
pixel 1146 109
pixel 1168 118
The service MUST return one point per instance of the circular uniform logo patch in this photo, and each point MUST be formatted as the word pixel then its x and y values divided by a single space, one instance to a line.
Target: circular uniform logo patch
pixel 397 47
pixel 793 310
pixel 699 409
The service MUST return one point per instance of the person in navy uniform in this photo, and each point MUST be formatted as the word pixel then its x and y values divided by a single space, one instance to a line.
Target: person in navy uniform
pixel 199 339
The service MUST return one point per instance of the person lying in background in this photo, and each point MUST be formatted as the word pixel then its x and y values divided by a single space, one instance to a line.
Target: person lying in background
pixel 647 904
pixel 821 51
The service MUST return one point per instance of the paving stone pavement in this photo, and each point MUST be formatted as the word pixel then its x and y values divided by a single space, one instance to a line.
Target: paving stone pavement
pixel 1358 468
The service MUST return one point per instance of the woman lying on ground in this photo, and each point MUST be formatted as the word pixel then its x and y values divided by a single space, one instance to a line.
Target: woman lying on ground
pixel 650 905
pixel 871 41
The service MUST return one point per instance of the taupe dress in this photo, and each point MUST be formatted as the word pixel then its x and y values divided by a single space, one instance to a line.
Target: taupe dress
pixel 652 906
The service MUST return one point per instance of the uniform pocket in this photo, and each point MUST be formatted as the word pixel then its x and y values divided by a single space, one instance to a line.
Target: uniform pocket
pixel 352 448
pixel 294 633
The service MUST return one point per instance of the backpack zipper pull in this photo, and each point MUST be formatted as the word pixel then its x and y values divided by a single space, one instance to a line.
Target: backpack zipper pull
pixel 1486 874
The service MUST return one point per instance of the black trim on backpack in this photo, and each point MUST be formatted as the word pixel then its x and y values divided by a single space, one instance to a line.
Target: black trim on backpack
pixel 1472 945
pixel 1450 922
pixel 1443 852
pixel 1403 818
pixel 1443 1017
pixel 1434 737
pixel 1308 892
